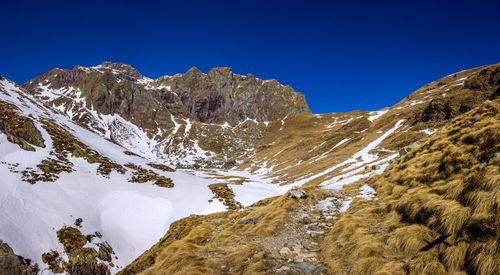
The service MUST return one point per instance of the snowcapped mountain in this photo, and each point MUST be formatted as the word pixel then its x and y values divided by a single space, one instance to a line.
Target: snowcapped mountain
pixel 192 119
pixel 98 162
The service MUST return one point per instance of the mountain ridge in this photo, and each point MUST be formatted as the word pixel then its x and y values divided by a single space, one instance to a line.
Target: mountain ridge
pixel 115 100
pixel 217 76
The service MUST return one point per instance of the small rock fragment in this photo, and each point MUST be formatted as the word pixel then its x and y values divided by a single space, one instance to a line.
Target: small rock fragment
pixel 285 251
pixel 283 269
pixel 78 222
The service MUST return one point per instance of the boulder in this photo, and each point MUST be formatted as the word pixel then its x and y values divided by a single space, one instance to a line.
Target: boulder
pixel 297 193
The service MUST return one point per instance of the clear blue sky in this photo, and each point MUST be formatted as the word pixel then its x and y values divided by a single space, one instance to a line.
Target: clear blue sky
pixel 343 55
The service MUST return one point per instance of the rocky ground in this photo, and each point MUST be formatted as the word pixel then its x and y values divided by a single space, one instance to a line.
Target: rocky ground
pixel 296 246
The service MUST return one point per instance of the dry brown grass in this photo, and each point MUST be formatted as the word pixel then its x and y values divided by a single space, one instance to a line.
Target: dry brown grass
pixel 81 260
pixel 228 179
pixel 293 148
pixel 221 243
pixel 162 167
pixel 438 207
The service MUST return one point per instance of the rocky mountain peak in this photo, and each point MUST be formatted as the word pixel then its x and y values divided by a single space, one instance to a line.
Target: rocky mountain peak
pixel 217 97
pixel 193 71
pixel 120 68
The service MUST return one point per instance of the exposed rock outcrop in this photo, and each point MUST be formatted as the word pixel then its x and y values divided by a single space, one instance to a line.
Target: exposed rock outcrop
pixel 10 263
pixel 474 89
pixel 18 128
pixel 217 97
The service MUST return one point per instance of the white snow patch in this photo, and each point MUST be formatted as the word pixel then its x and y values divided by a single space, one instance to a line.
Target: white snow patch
pixel 339 181
pixel 374 115
pixel 283 122
pixel 363 156
pixel 325 154
pixel 359 158
pixel 428 131
pixel 416 102
pixel 366 192
pixel 131 216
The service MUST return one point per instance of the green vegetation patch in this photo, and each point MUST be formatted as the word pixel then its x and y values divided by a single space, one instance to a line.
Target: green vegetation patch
pixel 81 259
pixel 19 129
pixel 142 175
pixel 66 144
pixel 226 195
pixel 162 167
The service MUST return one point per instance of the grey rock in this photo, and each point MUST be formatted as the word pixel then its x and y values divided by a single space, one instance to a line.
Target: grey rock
pixel 315 232
pixel 283 269
pixel 157 106
pixel 375 230
pixel 305 266
pixel 10 263
pixel 407 149
pixel 287 253
pixel 297 193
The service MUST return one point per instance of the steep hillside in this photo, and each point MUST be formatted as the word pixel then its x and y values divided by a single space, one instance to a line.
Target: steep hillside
pixel 307 147
pixel 10 263
pixel 437 207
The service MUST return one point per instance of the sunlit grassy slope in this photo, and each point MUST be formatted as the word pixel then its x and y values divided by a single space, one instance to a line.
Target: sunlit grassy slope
pixel 437 212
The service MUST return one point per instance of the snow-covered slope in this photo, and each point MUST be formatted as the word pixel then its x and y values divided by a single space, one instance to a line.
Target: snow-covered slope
pixel 130 216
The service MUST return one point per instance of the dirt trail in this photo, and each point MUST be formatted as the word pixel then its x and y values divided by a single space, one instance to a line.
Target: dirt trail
pixel 296 248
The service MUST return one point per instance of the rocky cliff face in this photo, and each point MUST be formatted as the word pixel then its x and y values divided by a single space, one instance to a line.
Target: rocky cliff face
pixel 217 97
pixel 466 91
pixel 216 119
pixel 174 117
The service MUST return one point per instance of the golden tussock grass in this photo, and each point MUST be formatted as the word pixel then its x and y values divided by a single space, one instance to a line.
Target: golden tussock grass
pixel 438 207
pixel 220 243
